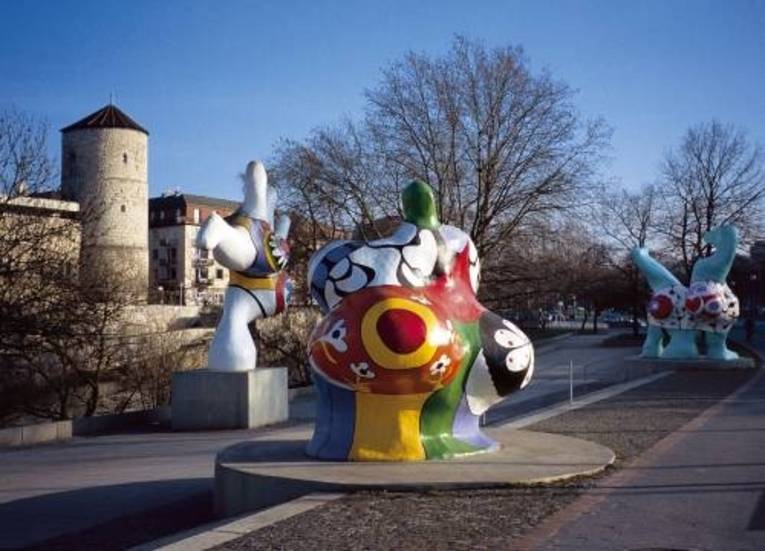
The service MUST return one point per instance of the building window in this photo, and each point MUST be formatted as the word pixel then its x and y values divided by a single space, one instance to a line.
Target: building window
pixel 124 158
pixel 196 216
pixel 173 253
pixel 154 254
pixel 161 215
pixel 219 273
pixel 123 208
pixel 151 215
pixel 172 273
pixel 178 217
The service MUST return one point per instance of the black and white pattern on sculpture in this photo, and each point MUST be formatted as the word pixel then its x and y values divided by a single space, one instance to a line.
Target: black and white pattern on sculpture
pixel 408 258
pixel 505 363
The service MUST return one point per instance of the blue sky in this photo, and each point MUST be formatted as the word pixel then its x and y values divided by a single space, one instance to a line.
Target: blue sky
pixel 217 83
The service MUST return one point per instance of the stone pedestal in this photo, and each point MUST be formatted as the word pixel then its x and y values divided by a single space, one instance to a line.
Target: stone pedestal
pixel 212 400
pixel 254 475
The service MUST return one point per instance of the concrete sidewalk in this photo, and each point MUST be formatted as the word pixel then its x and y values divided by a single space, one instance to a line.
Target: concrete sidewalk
pixel 703 487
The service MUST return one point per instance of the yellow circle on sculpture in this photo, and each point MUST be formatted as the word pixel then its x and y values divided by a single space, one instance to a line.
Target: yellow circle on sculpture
pixel 380 353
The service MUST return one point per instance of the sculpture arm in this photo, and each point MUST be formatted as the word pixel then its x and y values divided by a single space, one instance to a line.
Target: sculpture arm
pixel 657 275
pixel 717 266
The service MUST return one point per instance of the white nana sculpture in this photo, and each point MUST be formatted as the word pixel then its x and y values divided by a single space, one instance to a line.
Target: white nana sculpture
pixel 255 251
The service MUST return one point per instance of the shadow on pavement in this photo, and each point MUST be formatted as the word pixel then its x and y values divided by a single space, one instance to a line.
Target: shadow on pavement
pixel 114 512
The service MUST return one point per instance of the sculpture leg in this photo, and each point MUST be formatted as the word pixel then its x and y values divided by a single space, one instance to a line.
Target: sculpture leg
pixel 653 346
pixel 682 344
pixel 716 347
pixel 232 348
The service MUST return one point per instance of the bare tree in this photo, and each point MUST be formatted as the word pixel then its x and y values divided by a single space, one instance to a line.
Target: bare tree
pixel 626 220
pixel 332 179
pixel 504 148
pixel 499 144
pixel 145 380
pixel 57 340
pixel 24 164
pixel 715 176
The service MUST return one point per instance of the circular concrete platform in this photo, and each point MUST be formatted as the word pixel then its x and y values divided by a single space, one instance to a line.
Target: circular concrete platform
pixel 257 474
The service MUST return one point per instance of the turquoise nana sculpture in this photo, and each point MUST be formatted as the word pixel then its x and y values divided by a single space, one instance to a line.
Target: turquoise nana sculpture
pixel 707 304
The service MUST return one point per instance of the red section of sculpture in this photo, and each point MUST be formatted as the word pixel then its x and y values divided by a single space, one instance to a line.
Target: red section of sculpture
pixel 402 331
pixel 454 291
pixel 660 306
pixel 387 340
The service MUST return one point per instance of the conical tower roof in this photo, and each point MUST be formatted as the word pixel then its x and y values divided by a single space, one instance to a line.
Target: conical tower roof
pixel 106 117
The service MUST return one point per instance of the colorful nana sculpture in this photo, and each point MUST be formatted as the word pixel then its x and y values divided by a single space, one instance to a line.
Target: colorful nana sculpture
pixel 707 305
pixel 255 253
pixel 406 359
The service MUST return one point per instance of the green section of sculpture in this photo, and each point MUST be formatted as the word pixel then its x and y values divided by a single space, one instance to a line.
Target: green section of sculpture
pixel 419 205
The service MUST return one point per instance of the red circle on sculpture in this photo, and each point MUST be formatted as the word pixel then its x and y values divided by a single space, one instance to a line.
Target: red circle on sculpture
pixel 693 304
pixel 401 330
pixel 660 307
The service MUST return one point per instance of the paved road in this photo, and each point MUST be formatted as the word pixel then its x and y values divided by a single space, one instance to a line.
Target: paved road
pixel 594 367
pixel 88 483
pixel 704 490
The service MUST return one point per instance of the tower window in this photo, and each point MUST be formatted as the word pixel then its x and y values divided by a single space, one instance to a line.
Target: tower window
pixel 123 208
pixel 124 158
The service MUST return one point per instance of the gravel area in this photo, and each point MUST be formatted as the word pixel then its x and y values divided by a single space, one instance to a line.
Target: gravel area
pixel 489 519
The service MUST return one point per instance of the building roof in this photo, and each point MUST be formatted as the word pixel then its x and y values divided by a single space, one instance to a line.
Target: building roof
pixel 177 199
pixel 106 117
pixel 214 202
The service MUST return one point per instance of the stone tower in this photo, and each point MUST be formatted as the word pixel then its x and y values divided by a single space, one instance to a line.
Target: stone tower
pixel 104 168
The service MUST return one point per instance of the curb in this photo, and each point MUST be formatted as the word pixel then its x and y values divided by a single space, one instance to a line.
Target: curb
pixel 562 407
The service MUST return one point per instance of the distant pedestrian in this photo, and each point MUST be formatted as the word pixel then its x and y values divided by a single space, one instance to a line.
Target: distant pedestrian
pixel 749 328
